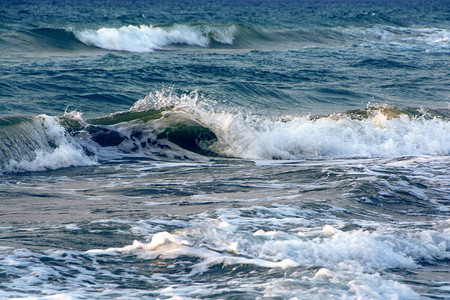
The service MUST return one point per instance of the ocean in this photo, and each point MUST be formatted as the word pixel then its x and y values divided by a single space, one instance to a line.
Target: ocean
pixel 256 149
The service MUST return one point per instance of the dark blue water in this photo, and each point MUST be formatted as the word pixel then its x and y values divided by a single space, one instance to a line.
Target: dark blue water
pixel 239 149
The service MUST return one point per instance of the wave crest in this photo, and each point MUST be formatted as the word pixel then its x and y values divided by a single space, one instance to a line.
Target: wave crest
pixel 149 38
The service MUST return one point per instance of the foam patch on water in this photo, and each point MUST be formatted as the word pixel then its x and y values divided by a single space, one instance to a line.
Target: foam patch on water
pixel 347 263
pixel 360 249
pixel 167 246
pixel 149 38
pixel 341 285
pixel 224 240
pixel 319 259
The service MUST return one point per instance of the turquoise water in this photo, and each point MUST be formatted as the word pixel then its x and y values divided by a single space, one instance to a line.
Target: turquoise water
pixel 202 149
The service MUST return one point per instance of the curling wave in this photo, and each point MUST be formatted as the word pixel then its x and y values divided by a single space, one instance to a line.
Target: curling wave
pixel 166 126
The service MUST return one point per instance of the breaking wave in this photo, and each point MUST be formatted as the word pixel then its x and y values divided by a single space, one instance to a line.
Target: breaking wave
pixel 375 131
pixel 167 126
pixel 149 38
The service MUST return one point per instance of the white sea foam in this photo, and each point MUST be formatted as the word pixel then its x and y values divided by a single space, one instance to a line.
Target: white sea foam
pixel 340 285
pixel 329 247
pixel 168 246
pixel 343 137
pixel 316 262
pixel 149 38
pixel 351 263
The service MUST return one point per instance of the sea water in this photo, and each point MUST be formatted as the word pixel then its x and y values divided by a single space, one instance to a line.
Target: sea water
pixel 225 149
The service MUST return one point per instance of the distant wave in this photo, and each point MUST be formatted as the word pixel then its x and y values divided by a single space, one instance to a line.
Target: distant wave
pixel 149 38
pixel 145 38
pixel 166 126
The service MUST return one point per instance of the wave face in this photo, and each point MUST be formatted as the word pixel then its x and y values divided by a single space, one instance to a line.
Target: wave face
pixel 37 144
pixel 149 38
pixel 166 126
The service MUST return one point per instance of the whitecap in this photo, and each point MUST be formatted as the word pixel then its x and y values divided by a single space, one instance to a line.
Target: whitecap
pixel 145 38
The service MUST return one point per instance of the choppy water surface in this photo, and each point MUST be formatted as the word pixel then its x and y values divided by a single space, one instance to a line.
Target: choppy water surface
pixel 266 149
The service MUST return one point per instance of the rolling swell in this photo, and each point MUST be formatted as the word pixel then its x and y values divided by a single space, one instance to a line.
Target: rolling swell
pixel 145 38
